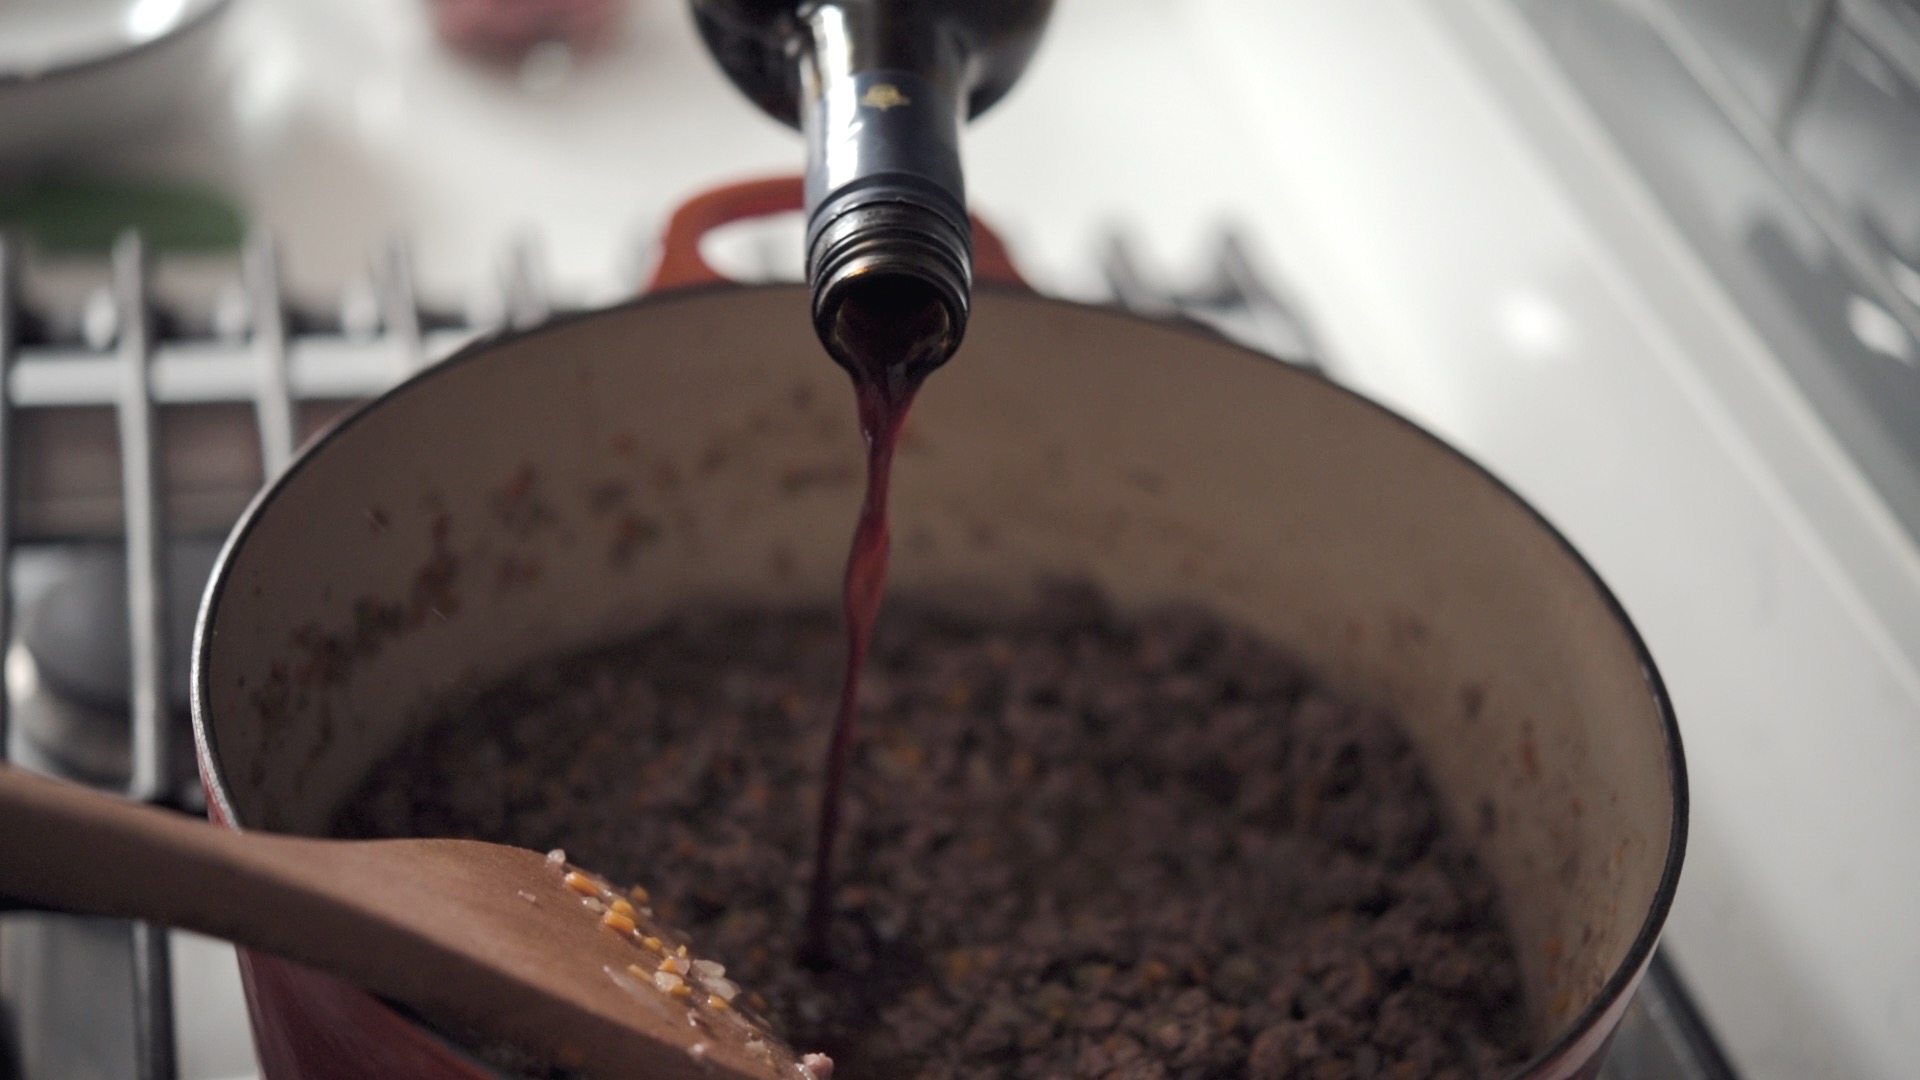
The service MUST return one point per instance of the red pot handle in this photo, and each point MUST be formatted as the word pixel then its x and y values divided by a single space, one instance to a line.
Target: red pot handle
pixel 681 265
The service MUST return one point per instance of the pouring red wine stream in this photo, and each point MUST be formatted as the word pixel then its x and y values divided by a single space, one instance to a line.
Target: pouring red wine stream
pixel 880 89
pixel 888 338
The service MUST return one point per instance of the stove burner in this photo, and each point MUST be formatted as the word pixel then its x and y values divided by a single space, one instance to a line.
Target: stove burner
pixel 68 675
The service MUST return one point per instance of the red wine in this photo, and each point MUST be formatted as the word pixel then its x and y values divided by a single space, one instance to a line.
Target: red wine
pixel 888 340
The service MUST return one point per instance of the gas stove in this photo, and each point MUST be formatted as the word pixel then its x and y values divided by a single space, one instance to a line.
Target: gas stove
pixel 1416 197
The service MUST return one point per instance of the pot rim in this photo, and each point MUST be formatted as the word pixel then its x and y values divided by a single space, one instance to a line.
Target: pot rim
pixel 1623 977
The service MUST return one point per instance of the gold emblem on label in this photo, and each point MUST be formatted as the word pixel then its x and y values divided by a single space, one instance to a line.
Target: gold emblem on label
pixel 884 96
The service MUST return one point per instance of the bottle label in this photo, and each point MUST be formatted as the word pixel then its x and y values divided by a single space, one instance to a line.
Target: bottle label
pixel 881 128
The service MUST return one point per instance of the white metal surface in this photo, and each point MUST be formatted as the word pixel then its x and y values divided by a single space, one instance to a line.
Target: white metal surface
pixel 1477 257
pixel 1467 249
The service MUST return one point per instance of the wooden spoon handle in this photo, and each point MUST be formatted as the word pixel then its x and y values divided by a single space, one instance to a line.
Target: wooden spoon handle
pixel 66 848
pixel 433 923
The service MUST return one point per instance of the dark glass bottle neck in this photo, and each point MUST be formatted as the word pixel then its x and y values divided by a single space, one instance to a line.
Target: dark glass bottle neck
pixel 757 43
pixel 881 88
pixel 882 102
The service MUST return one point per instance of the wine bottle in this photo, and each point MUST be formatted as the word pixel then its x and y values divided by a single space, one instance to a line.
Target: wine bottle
pixel 880 89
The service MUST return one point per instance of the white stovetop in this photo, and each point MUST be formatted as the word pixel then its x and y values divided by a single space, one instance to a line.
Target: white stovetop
pixel 1467 249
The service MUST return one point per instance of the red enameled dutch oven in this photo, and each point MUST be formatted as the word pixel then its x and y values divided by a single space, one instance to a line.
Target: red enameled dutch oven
pixel 1063 441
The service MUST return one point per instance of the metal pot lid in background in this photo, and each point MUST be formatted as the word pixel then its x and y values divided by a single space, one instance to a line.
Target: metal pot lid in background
pixel 43 37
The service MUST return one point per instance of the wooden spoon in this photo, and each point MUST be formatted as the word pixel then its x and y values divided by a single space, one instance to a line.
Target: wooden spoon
pixel 444 927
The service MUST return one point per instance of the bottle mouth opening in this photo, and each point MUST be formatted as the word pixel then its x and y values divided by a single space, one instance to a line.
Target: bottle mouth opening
pixel 883 325
pixel 891 288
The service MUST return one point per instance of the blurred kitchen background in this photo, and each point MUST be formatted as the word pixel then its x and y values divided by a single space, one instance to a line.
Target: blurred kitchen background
pixel 1656 263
